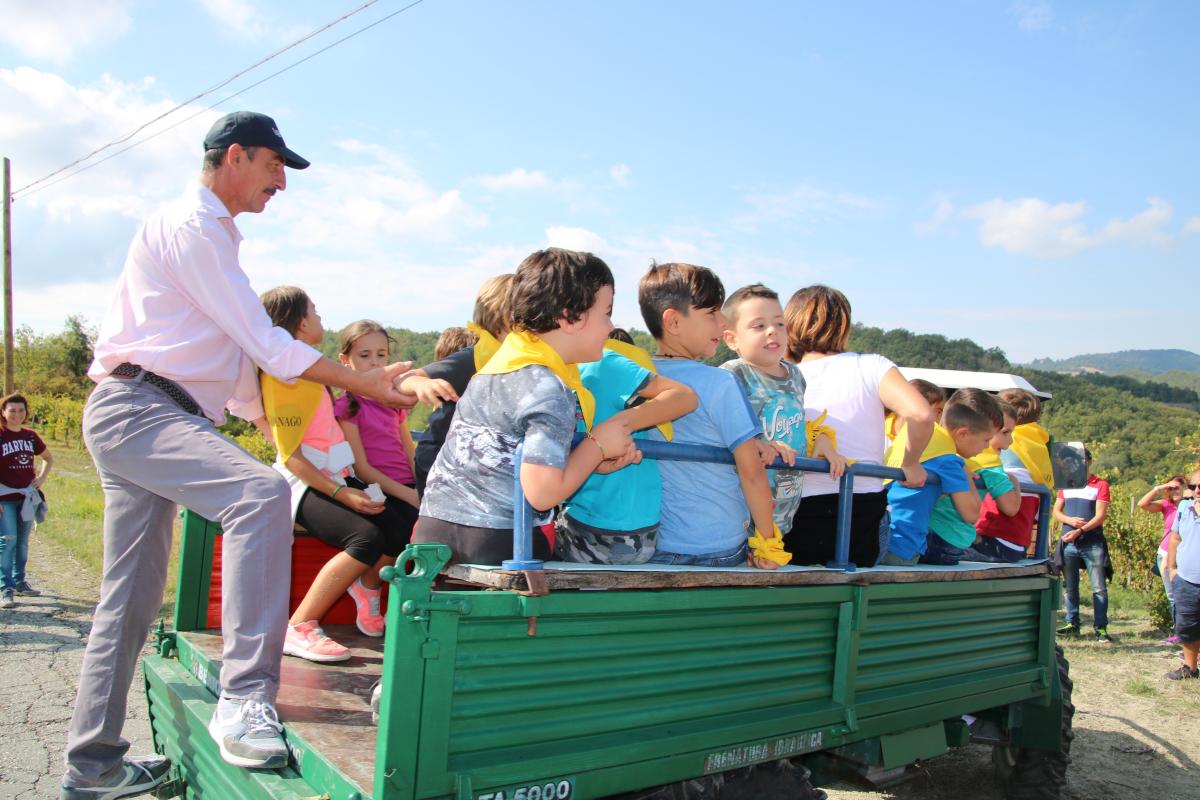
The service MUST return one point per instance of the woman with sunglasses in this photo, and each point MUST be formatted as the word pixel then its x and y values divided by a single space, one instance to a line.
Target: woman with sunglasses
pixel 1164 499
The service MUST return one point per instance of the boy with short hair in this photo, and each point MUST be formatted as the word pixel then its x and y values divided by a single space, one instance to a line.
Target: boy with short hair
pixel 710 513
pixel 969 421
pixel 756 331
pixel 1003 491
pixel 527 394
pixel 933 394
pixel 452 341
pixel 1000 487
pixel 1027 460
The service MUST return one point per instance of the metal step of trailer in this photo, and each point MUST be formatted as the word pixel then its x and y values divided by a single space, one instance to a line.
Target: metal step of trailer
pixel 325 709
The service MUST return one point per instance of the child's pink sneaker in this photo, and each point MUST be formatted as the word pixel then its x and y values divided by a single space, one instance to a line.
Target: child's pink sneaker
pixel 368 619
pixel 307 640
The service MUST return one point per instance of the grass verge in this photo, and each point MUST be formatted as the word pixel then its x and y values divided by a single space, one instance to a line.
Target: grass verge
pixel 76 518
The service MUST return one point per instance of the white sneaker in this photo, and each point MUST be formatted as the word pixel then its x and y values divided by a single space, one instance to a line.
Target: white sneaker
pixel 249 734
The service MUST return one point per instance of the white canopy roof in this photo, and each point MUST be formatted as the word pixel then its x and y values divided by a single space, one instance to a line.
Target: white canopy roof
pixel 959 379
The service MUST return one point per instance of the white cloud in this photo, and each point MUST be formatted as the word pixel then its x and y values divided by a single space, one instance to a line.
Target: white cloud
pixel 55 31
pixel 1192 226
pixel 1032 15
pixel 47 122
pixel 941 215
pixel 619 174
pixel 803 203
pixel 1032 226
pixel 519 178
pixel 240 19
pixel 44 307
pixel 574 239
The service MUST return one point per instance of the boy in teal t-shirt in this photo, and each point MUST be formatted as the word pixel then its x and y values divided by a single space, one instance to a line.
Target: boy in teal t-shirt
pixel 613 518
pixel 1003 488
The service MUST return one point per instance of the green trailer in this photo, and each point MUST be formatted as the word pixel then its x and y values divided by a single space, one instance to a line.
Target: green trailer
pixel 583 682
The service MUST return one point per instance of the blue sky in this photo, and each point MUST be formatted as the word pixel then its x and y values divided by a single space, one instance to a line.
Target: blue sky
pixel 1020 173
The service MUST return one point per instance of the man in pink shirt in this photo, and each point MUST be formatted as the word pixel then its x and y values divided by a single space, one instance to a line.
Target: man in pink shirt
pixel 180 343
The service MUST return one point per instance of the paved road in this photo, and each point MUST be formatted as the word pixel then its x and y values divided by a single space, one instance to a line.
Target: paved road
pixel 41 648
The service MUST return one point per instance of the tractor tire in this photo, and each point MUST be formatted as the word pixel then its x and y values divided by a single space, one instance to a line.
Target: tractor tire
pixel 1039 774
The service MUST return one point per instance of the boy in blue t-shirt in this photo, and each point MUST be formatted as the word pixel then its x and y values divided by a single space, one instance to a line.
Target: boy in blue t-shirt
pixel 613 517
pixel 775 388
pixel 710 512
pixel 969 421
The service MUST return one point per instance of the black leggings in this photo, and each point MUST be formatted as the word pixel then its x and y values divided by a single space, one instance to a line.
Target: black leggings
pixel 813 537
pixel 365 537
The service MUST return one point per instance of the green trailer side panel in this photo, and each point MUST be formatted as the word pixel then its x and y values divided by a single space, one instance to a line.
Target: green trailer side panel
pixel 617 690
pixel 180 708
pixel 899 749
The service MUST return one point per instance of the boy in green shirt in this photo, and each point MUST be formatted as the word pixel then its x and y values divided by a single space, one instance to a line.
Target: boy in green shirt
pixel 948 523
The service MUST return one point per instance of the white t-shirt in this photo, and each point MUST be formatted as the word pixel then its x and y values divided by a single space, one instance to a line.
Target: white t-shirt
pixel 847 386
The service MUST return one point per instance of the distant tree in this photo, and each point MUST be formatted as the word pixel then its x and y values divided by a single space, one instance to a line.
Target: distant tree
pixel 54 363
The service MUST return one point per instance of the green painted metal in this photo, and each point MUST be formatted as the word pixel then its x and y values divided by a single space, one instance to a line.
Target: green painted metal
pixel 195 572
pixel 605 692
pixel 180 708
pixel 898 749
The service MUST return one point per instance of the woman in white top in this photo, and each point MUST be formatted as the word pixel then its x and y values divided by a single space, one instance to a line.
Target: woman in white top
pixel 855 389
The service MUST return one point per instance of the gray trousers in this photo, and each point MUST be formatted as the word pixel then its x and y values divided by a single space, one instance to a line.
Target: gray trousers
pixel 152 455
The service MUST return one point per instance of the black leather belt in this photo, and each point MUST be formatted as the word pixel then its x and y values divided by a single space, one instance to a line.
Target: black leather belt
pixel 172 389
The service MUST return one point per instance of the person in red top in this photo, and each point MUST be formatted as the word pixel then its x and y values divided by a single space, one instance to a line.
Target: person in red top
pixel 19 501
pixel 1082 513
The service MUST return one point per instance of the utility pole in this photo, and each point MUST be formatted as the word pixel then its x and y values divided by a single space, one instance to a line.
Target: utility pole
pixel 8 318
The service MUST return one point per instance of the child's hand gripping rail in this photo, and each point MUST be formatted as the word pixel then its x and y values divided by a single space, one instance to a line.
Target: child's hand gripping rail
pixel 672 451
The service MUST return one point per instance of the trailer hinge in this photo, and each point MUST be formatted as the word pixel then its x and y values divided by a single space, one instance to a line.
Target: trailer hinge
pixel 417 611
pixel 462 787
pixel 430 649
pixel 164 640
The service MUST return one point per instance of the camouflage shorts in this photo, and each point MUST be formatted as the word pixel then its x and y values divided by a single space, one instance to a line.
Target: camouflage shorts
pixel 584 544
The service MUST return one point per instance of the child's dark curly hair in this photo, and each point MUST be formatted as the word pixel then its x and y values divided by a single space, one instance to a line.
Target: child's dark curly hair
pixel 555 284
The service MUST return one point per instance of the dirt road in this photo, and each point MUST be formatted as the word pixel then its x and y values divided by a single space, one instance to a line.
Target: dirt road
pixel 1137 735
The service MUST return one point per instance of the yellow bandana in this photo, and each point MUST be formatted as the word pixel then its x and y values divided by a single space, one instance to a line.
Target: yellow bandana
pixel 1031 444
pixel 940 444
pixel 289 408
pixel 523 349
pixel 813 431
pixel 988 458
pixel 640 357
pixel 769 549
pixel 486 347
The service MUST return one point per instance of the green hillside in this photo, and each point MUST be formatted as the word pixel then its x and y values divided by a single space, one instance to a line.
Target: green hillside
pixel 1152 361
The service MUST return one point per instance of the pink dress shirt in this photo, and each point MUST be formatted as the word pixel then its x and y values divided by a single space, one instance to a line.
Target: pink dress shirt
pixel 185 310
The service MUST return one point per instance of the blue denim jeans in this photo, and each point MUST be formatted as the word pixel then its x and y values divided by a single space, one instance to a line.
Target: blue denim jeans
pixel 940 552
pixel 14 544
pixel 722 558
pixel 1076 556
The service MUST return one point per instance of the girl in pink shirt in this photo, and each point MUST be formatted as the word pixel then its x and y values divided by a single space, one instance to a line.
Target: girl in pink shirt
pixel 334 505
pixel 379 438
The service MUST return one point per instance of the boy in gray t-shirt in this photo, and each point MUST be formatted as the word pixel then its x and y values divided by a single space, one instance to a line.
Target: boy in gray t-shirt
pixel 561 306
pixel 755 330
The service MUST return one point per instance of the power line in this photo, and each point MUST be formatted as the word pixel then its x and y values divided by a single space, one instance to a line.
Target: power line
pixel 26 189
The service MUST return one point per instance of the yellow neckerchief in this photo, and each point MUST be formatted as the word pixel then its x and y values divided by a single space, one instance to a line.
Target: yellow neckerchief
pixel 485 347
pixel 1031 445
pixel 769 549
pixel 289 408
pixel 640 357
pixel 889 425
pixel 940 444
pixel 813 431
pixel 987 458
pixel 523 349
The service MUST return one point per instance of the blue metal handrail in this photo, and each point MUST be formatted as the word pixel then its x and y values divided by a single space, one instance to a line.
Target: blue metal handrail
pixel 673 451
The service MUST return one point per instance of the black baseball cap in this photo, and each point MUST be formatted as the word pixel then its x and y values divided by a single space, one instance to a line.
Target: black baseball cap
pixel 250 129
